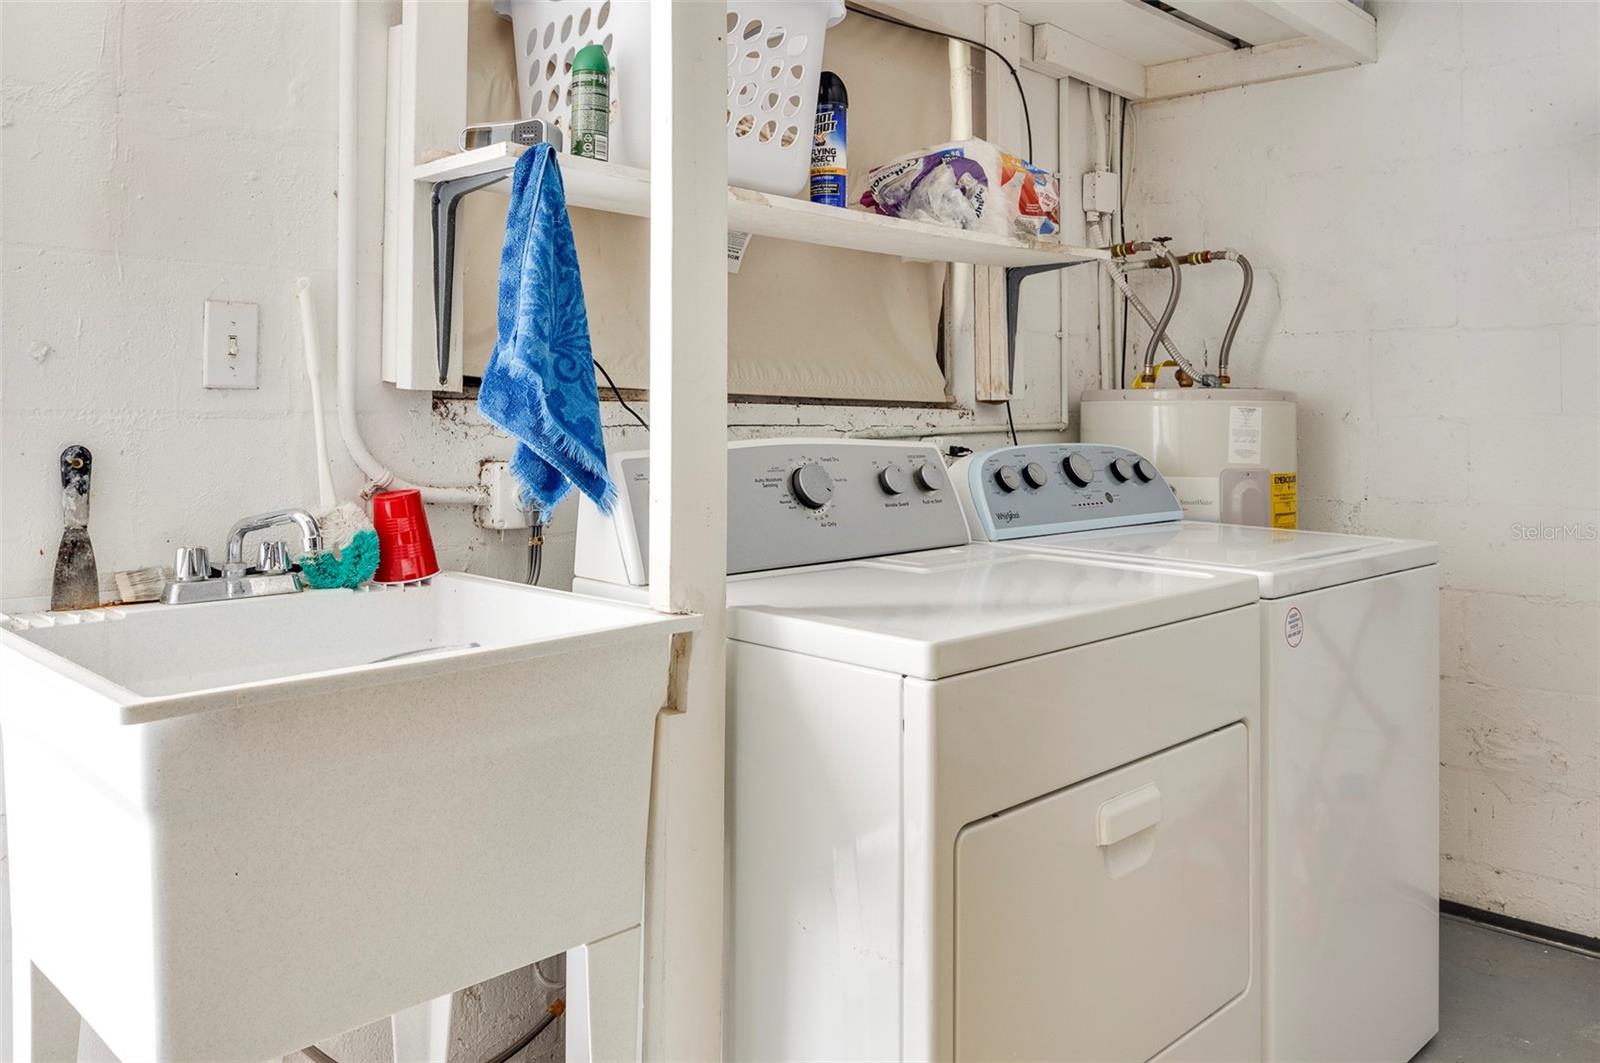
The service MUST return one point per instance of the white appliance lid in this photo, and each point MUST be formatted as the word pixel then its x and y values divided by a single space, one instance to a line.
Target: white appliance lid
pixel 1283 560
pixel 944 612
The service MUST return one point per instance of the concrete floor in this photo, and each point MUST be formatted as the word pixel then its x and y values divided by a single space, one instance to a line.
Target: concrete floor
pixel 1506 999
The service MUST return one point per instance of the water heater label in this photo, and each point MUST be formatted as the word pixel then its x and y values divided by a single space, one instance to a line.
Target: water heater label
pixel 1285 500
pixel 1244 435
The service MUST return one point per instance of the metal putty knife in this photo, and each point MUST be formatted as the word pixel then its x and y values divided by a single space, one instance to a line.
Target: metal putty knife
pixel 77 582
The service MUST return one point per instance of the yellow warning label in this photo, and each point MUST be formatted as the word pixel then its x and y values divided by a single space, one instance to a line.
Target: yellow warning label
pixel 1285 500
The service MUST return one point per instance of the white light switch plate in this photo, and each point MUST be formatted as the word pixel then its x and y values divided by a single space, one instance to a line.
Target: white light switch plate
pixel 232 347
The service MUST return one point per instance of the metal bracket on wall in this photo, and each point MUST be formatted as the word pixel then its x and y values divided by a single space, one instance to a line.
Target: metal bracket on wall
pixel 447 197
pixel 1015 275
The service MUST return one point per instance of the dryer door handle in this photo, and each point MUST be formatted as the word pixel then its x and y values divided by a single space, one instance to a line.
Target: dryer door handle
pixel 1127 814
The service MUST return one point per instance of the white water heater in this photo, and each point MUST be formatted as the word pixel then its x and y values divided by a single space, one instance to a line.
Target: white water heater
pixel 1229 453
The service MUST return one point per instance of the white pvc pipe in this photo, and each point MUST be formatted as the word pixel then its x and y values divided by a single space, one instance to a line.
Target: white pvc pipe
pixel 313 355
pixel 1103 304
pixel 345 358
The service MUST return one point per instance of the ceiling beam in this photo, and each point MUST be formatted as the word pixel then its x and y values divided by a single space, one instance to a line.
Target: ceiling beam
pixel 1339 24
pixel 1061 54
pixel 1237 18
pixel 1250 66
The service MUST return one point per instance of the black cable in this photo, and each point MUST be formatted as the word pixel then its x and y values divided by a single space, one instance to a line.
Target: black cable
pixel 535 551
pixel 1027 118
pixel 618 393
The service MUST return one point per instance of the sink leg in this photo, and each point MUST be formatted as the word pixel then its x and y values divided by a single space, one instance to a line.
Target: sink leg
pixel 44 1026
pixel 603 1000
pixel 422 1033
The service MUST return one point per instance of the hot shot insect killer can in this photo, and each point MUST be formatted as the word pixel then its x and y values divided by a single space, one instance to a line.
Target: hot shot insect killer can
pixel 827 146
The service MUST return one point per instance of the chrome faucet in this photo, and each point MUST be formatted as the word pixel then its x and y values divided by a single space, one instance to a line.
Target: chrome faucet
pixel 193 581
pixel 307 524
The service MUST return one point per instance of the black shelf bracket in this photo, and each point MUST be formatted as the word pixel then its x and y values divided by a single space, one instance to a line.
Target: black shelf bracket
pixel 447 196
pixel 1015 275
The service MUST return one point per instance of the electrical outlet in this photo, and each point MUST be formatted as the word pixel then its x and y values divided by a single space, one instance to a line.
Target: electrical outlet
pixel 232 347
pixel 502 512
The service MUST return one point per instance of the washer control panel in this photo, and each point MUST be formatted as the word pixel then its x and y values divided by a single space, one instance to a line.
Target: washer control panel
pixel 799 502
pixel 1048 488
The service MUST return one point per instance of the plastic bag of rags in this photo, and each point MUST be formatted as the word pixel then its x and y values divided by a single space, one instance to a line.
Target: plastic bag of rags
pixel 967 184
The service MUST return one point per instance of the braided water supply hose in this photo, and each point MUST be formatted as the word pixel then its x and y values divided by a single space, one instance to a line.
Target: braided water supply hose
pixel 1147 375
pixel 1117 272
pixel 1226 255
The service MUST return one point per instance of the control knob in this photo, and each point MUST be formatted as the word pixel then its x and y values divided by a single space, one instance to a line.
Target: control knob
pixel 1121 470
pixel 811 485
pixel 929 476
pixel 1078 469
pixel 1034 473
pixel 1007 478
pixel 1144 471
pixel 893 480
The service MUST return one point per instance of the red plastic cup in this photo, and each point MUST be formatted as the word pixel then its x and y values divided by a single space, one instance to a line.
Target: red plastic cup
pixel 405 546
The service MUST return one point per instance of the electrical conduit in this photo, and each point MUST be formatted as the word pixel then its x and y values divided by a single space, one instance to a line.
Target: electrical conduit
pixel 1099 113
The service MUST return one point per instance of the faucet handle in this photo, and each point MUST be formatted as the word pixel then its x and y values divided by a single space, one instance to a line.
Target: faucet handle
pixel 191 565
pixel 272 557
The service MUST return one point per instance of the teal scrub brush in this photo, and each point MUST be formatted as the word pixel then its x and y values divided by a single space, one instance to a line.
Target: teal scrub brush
pixel 350 567
pixel 351 556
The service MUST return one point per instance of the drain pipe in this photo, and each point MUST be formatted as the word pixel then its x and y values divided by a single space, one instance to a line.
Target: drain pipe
pixel 378 474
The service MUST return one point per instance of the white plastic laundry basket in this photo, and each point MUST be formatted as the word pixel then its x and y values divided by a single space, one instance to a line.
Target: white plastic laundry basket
pixel 774 63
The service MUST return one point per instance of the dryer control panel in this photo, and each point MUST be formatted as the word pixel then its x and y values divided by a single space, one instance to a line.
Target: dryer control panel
pixel 1048 488
pixel 790 503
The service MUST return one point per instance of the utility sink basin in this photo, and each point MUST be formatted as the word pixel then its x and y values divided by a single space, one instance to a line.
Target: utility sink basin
pixel 239 827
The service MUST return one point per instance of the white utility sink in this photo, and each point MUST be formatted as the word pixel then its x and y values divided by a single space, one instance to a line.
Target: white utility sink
pixel 239 827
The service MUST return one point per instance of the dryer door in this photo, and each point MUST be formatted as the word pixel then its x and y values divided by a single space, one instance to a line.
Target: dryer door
pixel 1106 920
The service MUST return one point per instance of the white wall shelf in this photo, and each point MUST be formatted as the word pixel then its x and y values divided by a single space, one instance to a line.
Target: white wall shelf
pixel 626 190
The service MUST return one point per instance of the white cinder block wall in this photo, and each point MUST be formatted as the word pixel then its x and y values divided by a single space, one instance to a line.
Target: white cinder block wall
pixel 1424 236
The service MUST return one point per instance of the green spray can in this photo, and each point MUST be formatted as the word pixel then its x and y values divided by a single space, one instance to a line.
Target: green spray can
pixel 591 103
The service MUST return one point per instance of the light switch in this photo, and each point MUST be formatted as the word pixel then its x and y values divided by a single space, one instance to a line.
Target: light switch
pixel 232 345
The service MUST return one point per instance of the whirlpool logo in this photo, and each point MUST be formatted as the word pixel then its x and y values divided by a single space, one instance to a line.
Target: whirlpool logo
pixel 1007 516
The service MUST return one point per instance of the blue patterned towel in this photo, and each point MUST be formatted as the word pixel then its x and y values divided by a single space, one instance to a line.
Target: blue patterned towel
pixel 539 384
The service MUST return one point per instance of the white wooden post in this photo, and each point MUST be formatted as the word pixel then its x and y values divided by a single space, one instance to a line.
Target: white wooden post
pixel 1002 126
pixel 688 523
pixel 432 75
pixel 1064 133
pixel 421 1033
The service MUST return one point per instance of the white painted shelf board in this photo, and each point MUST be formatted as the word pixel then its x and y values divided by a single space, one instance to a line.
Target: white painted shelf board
pixel 626 190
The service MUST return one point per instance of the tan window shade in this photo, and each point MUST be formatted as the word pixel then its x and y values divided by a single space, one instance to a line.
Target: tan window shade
pixel 803 321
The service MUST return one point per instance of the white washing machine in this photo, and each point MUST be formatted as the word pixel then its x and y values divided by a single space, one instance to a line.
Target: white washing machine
pixel 1349 648
pixel 967 819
